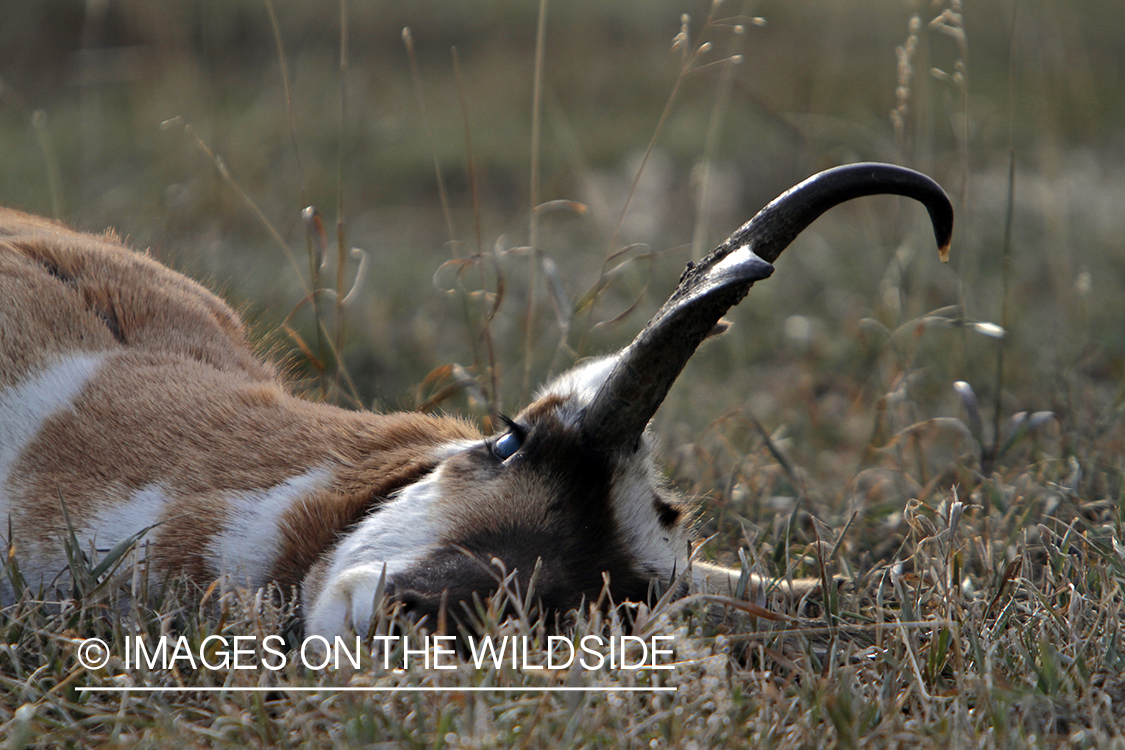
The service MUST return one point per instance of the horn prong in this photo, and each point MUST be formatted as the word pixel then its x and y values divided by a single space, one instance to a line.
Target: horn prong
pixel 618 413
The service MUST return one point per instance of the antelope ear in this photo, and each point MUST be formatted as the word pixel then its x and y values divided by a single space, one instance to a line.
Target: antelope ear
pixel 581 382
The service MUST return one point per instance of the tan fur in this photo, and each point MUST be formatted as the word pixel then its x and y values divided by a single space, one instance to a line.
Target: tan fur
pixel 180 358
pixel 156 309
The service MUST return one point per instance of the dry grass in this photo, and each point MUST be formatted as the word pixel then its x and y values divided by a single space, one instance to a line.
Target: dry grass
pixel 825 434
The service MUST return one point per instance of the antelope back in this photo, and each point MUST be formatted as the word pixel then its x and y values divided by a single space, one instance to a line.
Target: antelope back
pixel 130 393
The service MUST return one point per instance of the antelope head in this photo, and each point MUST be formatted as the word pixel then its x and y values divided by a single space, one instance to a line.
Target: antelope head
pixel 569 493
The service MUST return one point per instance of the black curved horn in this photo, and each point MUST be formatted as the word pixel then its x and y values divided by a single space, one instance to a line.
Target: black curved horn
pixel 626 401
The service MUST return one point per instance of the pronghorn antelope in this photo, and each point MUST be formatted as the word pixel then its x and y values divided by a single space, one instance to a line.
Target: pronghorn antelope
pixel 130 393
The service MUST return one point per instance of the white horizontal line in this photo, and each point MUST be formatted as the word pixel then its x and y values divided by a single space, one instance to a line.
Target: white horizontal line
pixel 403 689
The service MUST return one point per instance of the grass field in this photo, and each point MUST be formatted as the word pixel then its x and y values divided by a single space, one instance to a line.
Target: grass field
pixel 949 439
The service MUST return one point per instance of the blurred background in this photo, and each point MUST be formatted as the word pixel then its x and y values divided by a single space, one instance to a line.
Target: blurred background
pixel 202 129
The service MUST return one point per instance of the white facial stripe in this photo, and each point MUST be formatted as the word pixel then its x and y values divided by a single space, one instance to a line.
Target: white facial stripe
pixel 399 534
pixel 248 539
pixel 25 408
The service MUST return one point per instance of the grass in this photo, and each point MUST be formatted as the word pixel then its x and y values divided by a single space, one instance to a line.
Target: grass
pixel 824 432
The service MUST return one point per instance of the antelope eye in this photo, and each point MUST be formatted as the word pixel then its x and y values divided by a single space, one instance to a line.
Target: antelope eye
pixel 507 446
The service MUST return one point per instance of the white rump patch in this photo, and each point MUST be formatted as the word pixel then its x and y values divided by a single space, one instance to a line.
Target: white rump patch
pixel 25 408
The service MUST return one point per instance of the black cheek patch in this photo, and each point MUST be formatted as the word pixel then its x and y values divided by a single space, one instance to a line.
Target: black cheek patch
pixel 666 513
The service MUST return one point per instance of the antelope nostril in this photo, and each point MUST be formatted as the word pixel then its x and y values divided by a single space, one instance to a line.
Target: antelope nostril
pixel 416 605
pixel 408 601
